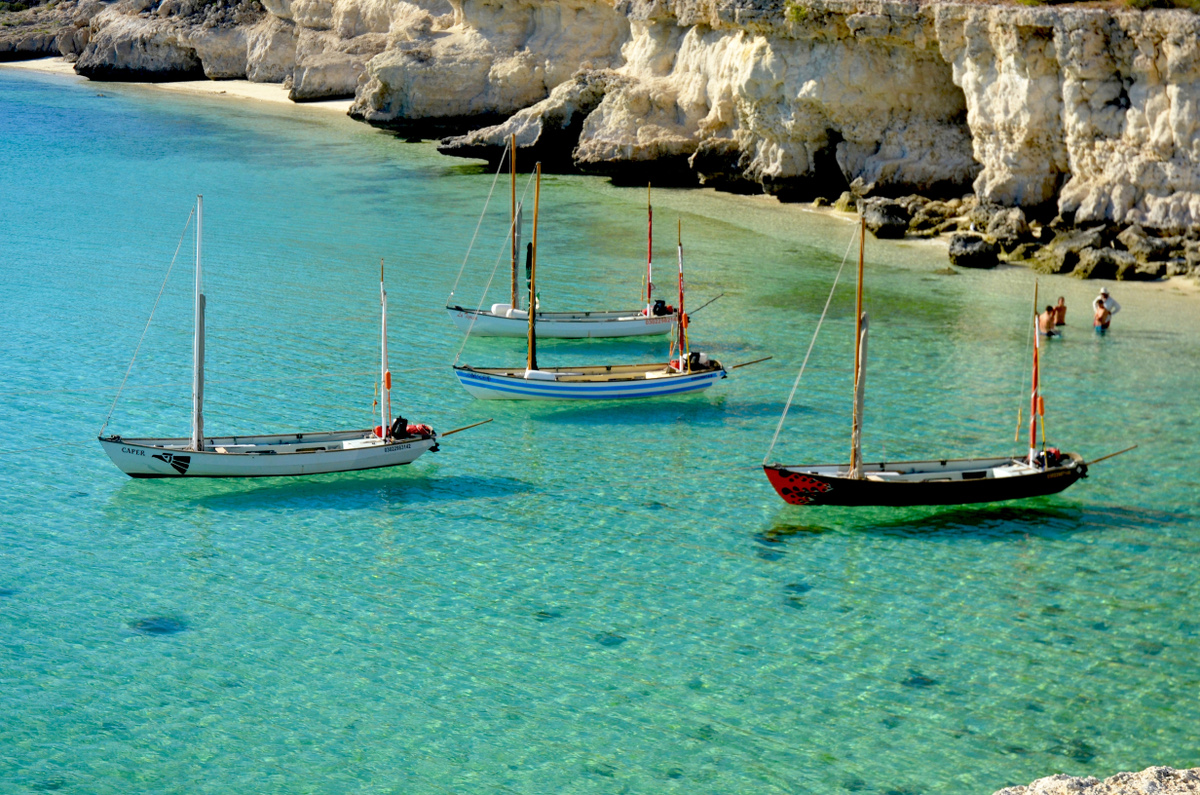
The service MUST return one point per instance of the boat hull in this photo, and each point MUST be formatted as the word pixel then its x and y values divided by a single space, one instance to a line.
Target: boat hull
pixel 490 385
pixel 562 325
pixel 946 482
pixel 263 456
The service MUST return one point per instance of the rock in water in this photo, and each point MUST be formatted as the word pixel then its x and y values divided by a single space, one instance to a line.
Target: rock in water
pixel 1151 781
pixel 972 251
pixel 546 132
pixel 886 218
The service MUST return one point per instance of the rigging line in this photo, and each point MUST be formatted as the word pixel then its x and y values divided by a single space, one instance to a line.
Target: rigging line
pixel 1025 371
pixel 478 224
pixel 129 369
pixel 813 342
pixel 488 286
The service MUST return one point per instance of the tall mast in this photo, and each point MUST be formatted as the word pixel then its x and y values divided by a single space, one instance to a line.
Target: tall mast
pixel 1033 395
pixel 198 339
pixel 681 325
pixel 856 423
pixel 512 160
pixel 385 375
pixel 649 251
pixel 531 356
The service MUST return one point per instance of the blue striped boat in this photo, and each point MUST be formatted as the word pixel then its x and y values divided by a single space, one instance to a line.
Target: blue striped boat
pixel 618 381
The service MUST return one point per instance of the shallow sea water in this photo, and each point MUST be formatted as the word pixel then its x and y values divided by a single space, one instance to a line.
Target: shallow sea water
pixel 600 597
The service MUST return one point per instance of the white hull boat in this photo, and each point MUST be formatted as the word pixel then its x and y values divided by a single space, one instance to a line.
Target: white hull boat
pixel 588 383
pixel 510 320
pixel 504 321
pixel 199 456
pixel 263 456
pixel 684 371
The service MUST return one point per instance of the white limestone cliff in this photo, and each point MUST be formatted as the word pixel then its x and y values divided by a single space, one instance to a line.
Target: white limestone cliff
pixel 1088 112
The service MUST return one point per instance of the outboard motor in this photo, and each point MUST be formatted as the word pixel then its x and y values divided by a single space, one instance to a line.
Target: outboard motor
pixel 661 308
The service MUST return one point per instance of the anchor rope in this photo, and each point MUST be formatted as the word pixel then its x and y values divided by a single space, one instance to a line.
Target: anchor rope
pixel 129 369
pixel 811 344
pixel 488 286
pixel 479 223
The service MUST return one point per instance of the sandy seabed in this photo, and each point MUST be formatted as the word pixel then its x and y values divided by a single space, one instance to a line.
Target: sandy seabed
pixel 237 89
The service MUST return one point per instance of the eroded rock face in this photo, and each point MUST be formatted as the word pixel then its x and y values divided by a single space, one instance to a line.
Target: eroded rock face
pixel 172 40
pixel 1086 113
pixel 45 30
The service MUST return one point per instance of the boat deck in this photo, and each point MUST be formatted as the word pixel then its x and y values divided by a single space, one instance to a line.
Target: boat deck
pixel 595 373
pixel 326 441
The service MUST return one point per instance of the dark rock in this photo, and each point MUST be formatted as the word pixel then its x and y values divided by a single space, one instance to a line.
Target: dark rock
pixel 1147 248
pixel 846 203
pixel 972 251
pixel 1177 266
pixel 1008 228
pixel 1024 252
pixel 1063 253
pixel 1142 271
pixel 1102 263
pixel 885 218
pixel 930 216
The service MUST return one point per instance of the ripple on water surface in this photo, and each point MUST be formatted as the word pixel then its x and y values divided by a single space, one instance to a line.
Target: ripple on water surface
pixel 593 598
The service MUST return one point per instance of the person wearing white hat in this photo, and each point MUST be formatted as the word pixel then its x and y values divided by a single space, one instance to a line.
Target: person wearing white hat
pixel 1103 308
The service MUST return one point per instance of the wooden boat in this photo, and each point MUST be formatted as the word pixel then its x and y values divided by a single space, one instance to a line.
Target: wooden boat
pixel 393 443
pixel 687 371
pixel 935 482
pixel 510 320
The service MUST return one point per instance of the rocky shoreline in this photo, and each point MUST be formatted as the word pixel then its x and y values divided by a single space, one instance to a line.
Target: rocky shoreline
pixel 1057 137
pixel 1151 781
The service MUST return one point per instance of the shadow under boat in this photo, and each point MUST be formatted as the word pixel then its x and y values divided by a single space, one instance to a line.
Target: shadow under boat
pixel 342 491
pixel 1040 517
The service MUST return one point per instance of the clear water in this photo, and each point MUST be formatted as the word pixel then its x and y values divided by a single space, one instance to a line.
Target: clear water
pixel 584 598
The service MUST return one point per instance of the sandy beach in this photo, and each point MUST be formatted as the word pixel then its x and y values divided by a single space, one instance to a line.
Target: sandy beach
pixel 236 89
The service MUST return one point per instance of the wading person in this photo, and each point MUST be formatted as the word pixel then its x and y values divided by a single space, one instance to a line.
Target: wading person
pixel 1046 322
pixel 1104 307
pixel 1060 312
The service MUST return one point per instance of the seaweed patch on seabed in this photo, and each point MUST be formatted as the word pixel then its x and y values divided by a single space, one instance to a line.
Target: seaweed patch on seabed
pixel 609 639
pixel 8 592
pixel 159 625
pixel 918 679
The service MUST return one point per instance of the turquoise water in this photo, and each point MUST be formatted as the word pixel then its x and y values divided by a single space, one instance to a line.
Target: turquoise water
pixel 584 598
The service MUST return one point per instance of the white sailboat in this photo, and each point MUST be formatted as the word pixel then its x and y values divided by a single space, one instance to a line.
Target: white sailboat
pixel 510 320
pixel 393 443
pixel 688 371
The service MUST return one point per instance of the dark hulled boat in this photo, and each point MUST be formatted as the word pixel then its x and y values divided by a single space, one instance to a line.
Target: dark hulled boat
pixel 946 482
pixel 938 482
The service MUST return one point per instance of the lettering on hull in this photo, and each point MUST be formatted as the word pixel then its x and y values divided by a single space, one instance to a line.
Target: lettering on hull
pixel 133 451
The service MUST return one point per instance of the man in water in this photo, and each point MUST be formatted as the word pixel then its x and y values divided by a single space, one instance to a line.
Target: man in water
pixel 1060 312
pixel 1046 322
pixel 1103 308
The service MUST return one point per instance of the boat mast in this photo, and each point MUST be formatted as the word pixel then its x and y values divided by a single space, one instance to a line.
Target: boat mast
pixel 531 356
pixel 512 152
pixel 198 339
pixel 856 423
pixel 681 325
pixel 385 375
pixel 649 251
pixel 1034 397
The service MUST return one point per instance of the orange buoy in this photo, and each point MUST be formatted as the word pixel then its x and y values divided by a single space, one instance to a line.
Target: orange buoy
pixel 379 431
pixel 387 379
